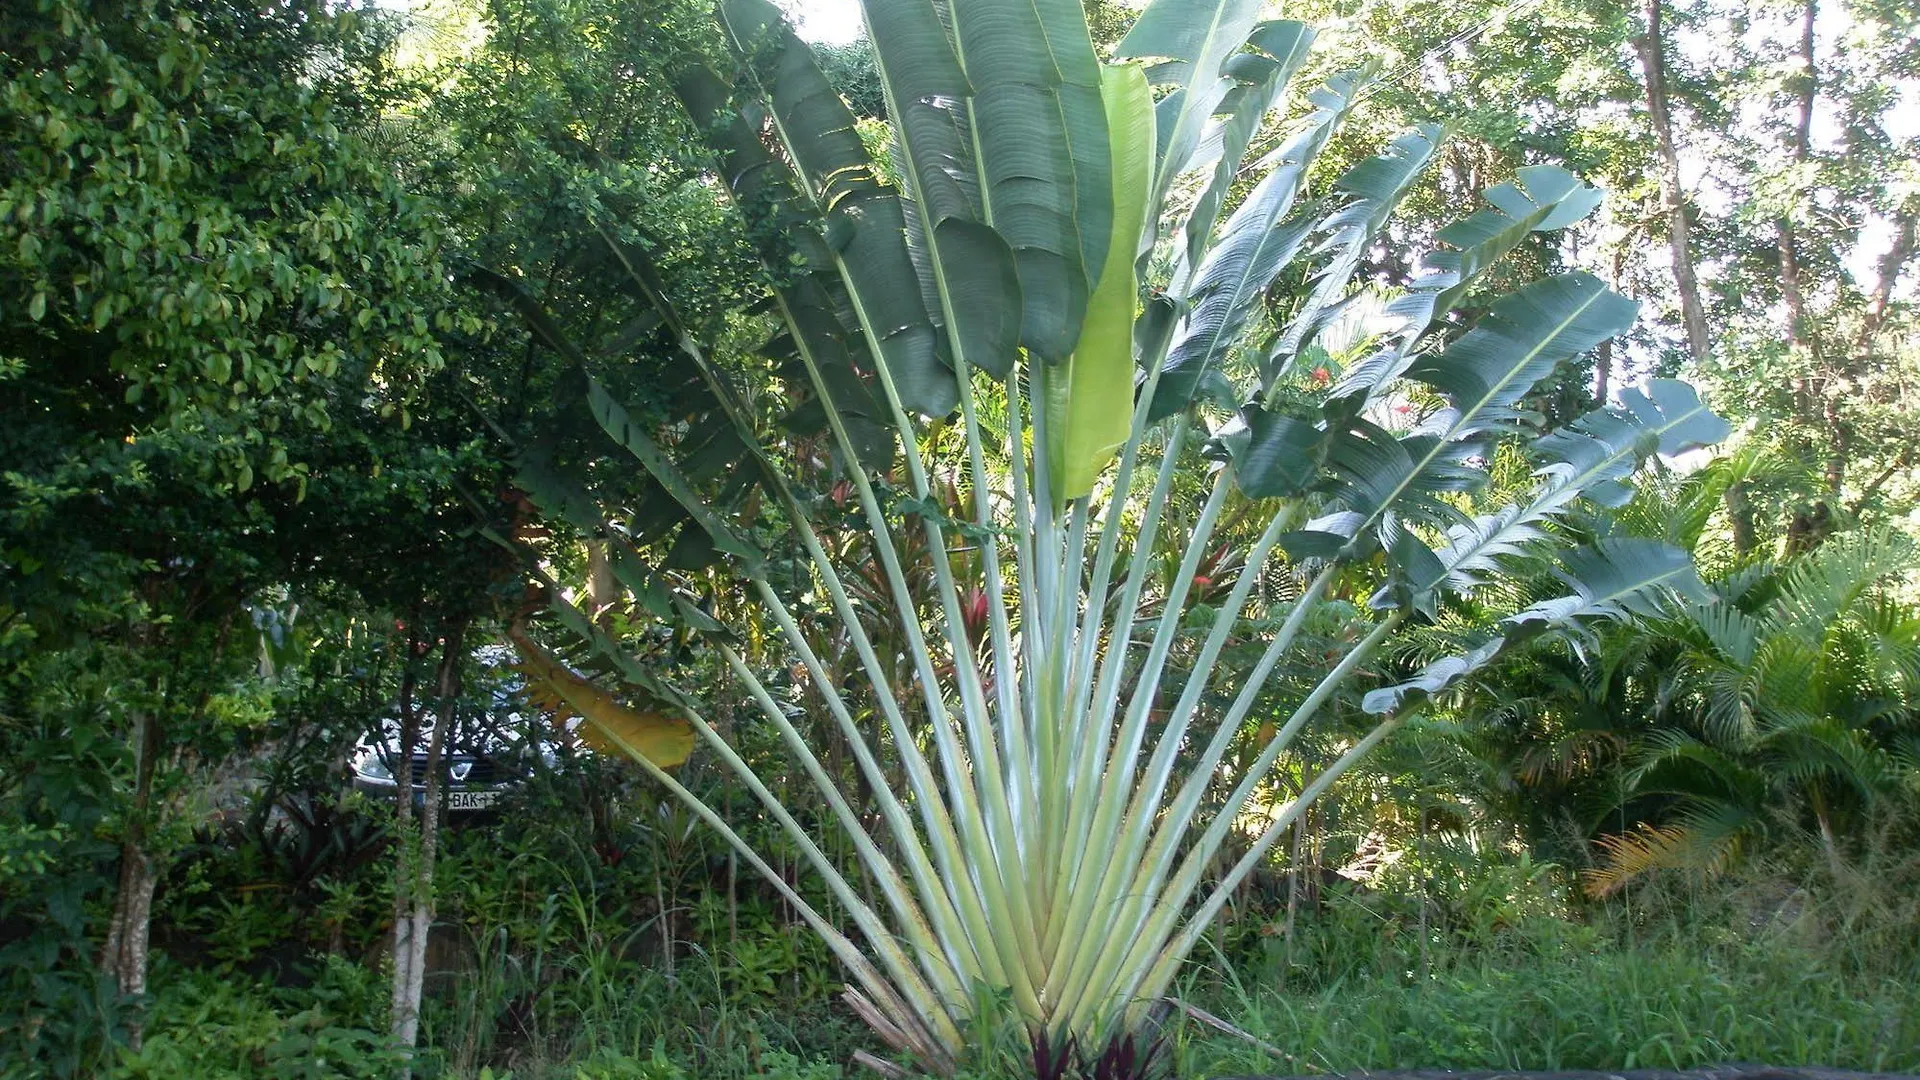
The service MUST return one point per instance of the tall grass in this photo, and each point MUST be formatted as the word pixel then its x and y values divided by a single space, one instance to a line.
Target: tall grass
pixel 1463 961
pixel 1661 1004
pixel 1781 965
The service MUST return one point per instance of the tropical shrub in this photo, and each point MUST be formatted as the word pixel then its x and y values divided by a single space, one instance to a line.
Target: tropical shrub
pixel 1784 702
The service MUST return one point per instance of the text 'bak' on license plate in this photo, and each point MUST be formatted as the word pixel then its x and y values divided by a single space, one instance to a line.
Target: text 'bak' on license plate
pixel 471 800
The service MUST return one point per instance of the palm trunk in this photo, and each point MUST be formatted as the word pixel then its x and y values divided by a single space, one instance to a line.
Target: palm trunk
pixel 1672 199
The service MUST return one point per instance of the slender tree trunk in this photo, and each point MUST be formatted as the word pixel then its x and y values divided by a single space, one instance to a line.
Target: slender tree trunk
pixel 1604 358
pixel 413 880
pixel 665 912
pixel 1892 265
pixel 1426 890
pixel 1805 86
pixel 1652 50
pixel 1293 893
pixel 1818 404
pixel 125 954
pixel 404 1012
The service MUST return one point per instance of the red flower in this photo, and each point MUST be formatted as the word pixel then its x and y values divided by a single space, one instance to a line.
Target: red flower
pixel 1321 376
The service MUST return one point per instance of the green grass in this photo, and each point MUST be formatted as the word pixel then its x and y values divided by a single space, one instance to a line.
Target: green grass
pixel 1662 1005
pixel 1512 976
pixel 1772 967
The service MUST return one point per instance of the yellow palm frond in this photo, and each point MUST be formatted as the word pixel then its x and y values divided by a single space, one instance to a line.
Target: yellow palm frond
pixel 607 724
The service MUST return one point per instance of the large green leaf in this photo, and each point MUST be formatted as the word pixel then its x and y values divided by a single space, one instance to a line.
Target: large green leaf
pixel 1590 457
pixel 1483 376
pixel 1378 473
pixel 1596 453
pixel 1259 240
pixel 982 285
pixel 1194 38
pixel 1615 578
pixel 617 424
pixel 718 448
pixel 1434 678
pixel 1274 455
pixel 1227 292
pixel 1374 188
pixel 811 295
pixel 1090 400
pixel 926 96
pixel 1260 80
pixel 1039 133
pixel 1263 236
pixel 1391 481
pixel 1544 198
pixel 865 225
pixel 1517 343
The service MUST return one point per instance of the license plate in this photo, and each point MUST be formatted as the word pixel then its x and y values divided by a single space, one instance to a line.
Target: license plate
pixel 471 800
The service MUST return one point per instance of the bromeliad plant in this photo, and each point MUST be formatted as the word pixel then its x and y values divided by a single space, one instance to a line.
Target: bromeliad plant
pixel 1051 279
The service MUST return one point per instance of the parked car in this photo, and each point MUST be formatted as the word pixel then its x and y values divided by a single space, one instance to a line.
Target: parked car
pixel 490 751
pixel 473 778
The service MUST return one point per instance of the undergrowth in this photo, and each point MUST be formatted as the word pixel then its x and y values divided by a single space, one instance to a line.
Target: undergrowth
pixel 1515 973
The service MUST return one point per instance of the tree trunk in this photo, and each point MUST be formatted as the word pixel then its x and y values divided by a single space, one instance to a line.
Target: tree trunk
pixel 1801 342
pixel 1294 881
pixel 1426 890
pixel 413 879
pixel 404 1010
pixel 1673 201
pixel 125 954
pixel 1892 265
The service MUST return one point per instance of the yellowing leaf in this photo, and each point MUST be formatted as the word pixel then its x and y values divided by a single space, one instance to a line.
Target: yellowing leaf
pixel 1090 397
pixel 607 725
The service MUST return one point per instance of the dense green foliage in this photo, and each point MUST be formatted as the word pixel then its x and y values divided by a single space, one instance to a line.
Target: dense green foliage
pixel 1515 972
pixel 290 329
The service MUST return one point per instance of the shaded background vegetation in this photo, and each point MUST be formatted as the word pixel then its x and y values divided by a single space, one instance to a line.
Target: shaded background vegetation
pixel 268 394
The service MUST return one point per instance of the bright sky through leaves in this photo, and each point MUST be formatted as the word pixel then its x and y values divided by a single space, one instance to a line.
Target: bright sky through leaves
pixel 829 22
